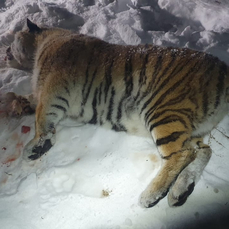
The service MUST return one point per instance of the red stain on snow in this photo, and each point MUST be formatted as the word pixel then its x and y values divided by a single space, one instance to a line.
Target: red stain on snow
pixel 25 129
pixel 15 156
pixel 12 158
pixel 18 148
pixel 9 160
pixel 19 145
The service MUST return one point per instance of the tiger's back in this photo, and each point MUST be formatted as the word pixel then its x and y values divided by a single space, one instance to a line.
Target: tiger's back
pixel 174 95
pixel 111 83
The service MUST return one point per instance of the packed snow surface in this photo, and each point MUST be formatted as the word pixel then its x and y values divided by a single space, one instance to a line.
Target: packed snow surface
pixel 92 177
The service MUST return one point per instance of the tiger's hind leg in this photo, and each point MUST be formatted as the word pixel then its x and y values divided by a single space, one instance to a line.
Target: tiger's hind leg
pixel 171 168
pixel 51 109
pixel 173 140
pixel 185 183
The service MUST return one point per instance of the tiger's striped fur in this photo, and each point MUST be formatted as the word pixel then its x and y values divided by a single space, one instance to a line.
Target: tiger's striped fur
pixel 174 95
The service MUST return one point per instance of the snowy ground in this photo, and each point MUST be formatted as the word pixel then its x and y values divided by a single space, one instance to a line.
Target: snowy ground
pixel 93 177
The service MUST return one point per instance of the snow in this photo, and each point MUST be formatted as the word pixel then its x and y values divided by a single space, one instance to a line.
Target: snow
pixel 93 177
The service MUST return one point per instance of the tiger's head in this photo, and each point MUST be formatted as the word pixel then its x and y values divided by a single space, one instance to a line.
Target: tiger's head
pixel 20 54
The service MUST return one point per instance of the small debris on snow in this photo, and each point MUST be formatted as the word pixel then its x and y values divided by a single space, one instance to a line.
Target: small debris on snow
pixel 106 193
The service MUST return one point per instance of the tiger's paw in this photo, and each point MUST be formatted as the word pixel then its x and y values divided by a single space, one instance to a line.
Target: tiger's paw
pixel 178 198
pixel 38 147
pixel 150 198
pixel 181 189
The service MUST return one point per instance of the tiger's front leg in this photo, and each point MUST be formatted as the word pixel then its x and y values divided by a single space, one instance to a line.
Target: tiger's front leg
pixel 50 110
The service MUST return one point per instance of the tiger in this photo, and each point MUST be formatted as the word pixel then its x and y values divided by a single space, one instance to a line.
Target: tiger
pixel 175 96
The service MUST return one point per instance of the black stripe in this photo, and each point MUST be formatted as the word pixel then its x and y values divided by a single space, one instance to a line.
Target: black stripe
pixel 63 99
pixel 90 85
pixel 169 65
pixel 95 53
pixel 220 84
pixel 171 102
pixel 157 68
pixel 84 86
pixel 85 96
pixel 168 119
pixel 67 86
pixel 142 75
pixel 156 77
pixel 128 78
pixel 86 76
pixel 171 138
pixel 187 112
pixel 111 104
pixel 108 77
pixel 94 106
pixel 52 114
pixel 41 54
pixel 118 127
pixel 171 89
pixel 100 92
pixel 176 100
pixel 71 53
pixel 115 126
pixel 119 112
pixel 59 107
pixel 178 68
pixel 205 103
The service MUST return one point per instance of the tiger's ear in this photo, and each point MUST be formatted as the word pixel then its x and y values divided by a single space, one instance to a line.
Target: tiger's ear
pixel 32 27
